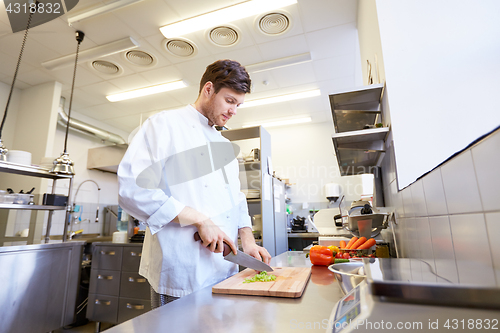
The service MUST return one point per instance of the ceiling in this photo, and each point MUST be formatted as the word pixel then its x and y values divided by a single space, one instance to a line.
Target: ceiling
pixel 325 28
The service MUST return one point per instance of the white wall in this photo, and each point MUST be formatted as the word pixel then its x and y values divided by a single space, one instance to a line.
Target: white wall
pixel 441 65
pixel 10 124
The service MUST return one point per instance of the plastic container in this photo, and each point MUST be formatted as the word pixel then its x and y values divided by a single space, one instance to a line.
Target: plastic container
pixel 9 198
pixel 119 237
pixel 23 198
pixel 2 196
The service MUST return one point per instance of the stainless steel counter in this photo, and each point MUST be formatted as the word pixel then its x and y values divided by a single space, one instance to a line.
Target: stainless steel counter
pixel 39 286
pixel 203 311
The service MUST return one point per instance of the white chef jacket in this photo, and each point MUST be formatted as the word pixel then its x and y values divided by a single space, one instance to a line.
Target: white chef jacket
pixel 172 261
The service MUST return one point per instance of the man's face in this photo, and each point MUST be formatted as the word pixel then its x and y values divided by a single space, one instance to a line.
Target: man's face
pixel 222 106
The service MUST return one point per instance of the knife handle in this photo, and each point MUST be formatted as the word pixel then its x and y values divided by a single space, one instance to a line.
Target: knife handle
pixel 226 251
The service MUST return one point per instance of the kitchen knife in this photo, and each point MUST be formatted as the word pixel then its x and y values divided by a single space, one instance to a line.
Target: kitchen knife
pixel 241 258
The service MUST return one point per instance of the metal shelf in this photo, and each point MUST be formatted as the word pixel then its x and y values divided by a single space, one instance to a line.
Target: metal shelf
pixel 30 170
pixel 31 207
pixel 358 150
pixel 353 109
pixel 39 172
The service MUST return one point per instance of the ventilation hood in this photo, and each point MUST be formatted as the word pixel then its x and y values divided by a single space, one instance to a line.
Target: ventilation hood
pixel 106 158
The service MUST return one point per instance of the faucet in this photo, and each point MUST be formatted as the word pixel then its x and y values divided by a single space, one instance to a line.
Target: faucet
pixel 98 192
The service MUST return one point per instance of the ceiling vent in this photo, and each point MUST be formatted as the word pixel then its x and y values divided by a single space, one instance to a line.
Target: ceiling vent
pixel 224 36
pixel 273 24
pixel 106 67
pixel 140 58
pixel 180 47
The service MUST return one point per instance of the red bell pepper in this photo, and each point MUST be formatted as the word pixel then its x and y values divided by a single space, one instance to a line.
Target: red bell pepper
pixel 321 255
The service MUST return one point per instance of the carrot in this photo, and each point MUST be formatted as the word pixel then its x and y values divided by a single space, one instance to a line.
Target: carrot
pixel 342 244
pixel 358 243
pixel 352 241
pixel 366 245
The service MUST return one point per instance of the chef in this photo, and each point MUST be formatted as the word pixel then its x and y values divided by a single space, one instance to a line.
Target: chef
pixel 178 178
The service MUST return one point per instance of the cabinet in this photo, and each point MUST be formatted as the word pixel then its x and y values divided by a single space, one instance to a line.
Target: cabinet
pixel 358 149
pixel 256 175
pixel 117 292
pixel 33 171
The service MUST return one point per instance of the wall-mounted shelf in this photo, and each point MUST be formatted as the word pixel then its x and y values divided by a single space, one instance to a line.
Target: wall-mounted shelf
pixel 358 149
pixel 32 171
pixel 29 170
pixel 31 207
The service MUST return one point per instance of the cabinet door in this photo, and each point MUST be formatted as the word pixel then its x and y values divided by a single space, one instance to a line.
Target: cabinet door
pixel 103 308
pixel 131 258
pixel 134 286
pixel 104 282
pixel 107 257
pixel 130 308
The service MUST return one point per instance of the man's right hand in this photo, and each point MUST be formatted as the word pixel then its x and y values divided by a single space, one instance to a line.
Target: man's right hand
pixel 213 238
pixel 211 235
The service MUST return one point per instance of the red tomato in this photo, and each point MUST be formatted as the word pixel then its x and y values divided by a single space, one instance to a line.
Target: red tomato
pixel 347 256
pixel 338 255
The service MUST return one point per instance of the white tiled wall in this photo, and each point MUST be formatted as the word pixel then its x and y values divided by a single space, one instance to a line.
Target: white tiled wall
pixel 452 213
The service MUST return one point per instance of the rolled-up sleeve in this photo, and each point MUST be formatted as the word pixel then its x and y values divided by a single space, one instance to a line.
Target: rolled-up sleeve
pixel 150 204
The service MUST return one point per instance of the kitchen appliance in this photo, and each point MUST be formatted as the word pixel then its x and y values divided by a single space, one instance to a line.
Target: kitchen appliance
pixel 290 282
pixel 408 295
pixel 241 258
pixel 324 220
pixel 298 224
pixel 363 220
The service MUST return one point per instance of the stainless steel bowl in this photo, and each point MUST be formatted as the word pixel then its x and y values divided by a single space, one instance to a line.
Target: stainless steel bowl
pixel 347 275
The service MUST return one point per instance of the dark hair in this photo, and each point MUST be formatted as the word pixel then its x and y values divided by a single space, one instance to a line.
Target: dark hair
pixel 227 74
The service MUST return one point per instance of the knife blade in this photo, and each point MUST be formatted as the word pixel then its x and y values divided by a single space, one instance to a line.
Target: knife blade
pixel 241 258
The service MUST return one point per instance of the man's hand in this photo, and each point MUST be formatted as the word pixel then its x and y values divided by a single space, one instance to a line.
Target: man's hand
pixel 258 252
pixel 211 235
pixel 250 248
pixel 213 238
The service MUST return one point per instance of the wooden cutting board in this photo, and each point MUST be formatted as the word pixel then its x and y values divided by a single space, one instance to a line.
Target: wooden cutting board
pixel 290 282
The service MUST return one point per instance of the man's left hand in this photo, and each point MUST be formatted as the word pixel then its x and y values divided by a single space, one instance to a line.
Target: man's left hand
pixel 258 252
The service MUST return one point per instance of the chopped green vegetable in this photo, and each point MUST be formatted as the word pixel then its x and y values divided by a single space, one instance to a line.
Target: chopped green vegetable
pixel 261 277
pixel 338 261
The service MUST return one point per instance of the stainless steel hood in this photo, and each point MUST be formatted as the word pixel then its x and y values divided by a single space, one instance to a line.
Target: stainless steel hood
pixel 106 158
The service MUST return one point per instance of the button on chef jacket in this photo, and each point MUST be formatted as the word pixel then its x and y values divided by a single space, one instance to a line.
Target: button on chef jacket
pixel 165 169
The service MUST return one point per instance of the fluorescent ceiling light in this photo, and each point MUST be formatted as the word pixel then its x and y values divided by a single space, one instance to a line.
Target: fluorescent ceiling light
pixel 98 10
pixel 221 16
pixel 279 63
pixel 100 51
pixel 282 98
pixel 281 122
pixel 147 91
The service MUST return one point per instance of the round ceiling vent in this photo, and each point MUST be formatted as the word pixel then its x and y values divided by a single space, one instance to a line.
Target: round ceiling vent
pixel 106 67
pixel 273 24
pixel 224 36
pixel 140 58
pixel 180 47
